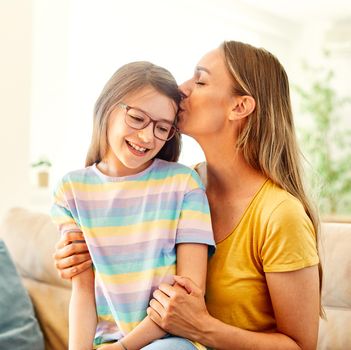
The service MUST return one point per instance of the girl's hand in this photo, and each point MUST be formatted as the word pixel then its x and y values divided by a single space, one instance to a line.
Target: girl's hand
pixel 179 311
pixel 71 255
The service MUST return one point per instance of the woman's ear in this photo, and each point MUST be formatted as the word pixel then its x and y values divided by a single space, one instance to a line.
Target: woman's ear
pixel 243 106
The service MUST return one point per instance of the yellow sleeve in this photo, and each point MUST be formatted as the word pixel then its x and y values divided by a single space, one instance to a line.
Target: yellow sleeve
pixel 290 239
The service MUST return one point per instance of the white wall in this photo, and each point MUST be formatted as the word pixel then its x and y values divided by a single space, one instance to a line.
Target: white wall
pixel 15 73
pixel 71 47
pixel 98 37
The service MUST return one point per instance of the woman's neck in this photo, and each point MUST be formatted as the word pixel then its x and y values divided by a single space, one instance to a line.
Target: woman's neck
pixel 228 172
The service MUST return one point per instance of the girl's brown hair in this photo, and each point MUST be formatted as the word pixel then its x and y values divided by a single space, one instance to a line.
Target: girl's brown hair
pixel 129 79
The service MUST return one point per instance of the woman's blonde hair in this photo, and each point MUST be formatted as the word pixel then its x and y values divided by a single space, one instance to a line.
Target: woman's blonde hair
pixel 129 79
pixel 268 139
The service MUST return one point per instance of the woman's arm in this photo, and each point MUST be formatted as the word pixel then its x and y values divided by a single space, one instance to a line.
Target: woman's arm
pixel 191 262
pixel 82 312
pixel 295 299
pixel 71 258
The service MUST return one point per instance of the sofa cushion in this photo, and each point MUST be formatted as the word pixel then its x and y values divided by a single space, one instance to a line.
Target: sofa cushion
pixel 19 328
pixel 336 261
pixel 31 238
pixel 51 307
pixel 334 249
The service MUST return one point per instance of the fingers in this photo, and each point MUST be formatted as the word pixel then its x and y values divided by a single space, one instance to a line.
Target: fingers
pixel 72 271
pixel 68 238
pixel 154 315
pixel 167 289
pixel 162 299
pixel 69 250
pixel 158 307
pixel 188 284
pixel 71 258
pixel 71 261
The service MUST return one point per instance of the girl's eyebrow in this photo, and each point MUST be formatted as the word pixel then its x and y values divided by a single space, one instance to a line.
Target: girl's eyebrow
pixel 152 118
pixel 200 68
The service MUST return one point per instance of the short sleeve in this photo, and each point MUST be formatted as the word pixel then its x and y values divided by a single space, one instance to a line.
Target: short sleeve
pixel 290 240
pixel 194 224
pixel 62 211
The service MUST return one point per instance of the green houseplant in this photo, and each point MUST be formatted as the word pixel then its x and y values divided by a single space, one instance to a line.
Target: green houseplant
pixel 326 141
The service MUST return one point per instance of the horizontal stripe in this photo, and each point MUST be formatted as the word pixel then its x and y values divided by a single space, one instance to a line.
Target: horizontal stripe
pixel 147 275
pixel 125 220
pixel 144 217
pixel 132 206
pixel 134 266
pixel 129 186
pixel 99 205
pixel 145 228
pixel 124 298
pixel 139 285
pixel 133 250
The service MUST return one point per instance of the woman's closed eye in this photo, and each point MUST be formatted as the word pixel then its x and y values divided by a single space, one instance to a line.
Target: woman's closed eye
pixel 198 82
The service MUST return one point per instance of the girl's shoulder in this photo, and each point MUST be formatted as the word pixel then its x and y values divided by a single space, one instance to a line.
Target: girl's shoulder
pixel 178 170
pixel 79 175
pixel 175 167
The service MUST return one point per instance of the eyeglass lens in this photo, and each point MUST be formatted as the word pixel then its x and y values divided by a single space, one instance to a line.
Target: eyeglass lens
pixel 138 120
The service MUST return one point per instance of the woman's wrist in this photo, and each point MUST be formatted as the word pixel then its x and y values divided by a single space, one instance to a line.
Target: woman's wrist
pixel 205 330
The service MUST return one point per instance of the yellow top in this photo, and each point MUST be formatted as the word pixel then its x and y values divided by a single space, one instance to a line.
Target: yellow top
pixel 274 235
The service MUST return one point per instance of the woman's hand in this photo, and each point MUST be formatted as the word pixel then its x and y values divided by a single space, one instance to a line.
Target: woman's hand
pixel 180 311
pixel 71 255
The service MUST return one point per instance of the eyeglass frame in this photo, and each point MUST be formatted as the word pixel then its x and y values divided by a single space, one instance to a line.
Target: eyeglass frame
pixel 151 120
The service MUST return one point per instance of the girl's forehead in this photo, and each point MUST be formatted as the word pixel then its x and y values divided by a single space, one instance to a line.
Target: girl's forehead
pixel 152 102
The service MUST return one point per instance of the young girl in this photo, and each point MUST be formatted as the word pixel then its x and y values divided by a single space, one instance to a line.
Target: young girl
pixel 143 216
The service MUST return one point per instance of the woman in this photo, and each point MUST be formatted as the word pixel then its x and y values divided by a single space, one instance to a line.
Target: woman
pixel 263 289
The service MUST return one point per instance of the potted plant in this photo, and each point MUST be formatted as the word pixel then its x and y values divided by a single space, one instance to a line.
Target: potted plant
pixel 326 142
pixel 42 165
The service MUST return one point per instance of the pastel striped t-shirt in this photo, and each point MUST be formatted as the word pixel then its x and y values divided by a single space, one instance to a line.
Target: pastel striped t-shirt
pixel 131 225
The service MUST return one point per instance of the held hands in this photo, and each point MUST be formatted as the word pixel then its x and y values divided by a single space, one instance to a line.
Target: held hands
pixel 71 257
pixel 179 309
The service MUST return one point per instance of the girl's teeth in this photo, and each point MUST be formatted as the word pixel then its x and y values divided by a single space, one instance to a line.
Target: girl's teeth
pixel 140 149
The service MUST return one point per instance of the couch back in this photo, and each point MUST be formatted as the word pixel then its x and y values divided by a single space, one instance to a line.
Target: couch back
pixel 31 237
pixel 335 252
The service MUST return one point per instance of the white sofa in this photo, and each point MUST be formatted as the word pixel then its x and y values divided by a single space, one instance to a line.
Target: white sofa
pixel 30 238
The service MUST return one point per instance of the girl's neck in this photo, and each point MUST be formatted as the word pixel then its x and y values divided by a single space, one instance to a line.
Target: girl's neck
pixel 114 168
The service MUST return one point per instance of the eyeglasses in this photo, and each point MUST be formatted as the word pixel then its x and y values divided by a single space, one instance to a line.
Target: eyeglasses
pixel 138 119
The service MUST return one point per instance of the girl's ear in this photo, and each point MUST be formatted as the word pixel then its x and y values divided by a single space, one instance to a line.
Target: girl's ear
pixel 242 107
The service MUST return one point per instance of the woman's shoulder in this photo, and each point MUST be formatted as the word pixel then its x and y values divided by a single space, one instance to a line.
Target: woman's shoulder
pixel 280 205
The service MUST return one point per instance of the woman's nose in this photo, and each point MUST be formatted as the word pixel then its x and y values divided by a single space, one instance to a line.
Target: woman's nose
pixel 185 88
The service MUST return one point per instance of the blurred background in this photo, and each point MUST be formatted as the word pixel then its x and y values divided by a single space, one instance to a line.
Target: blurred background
pixel 56 56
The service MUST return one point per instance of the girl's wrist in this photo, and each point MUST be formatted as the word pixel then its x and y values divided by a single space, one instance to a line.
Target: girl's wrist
pixel 121 345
